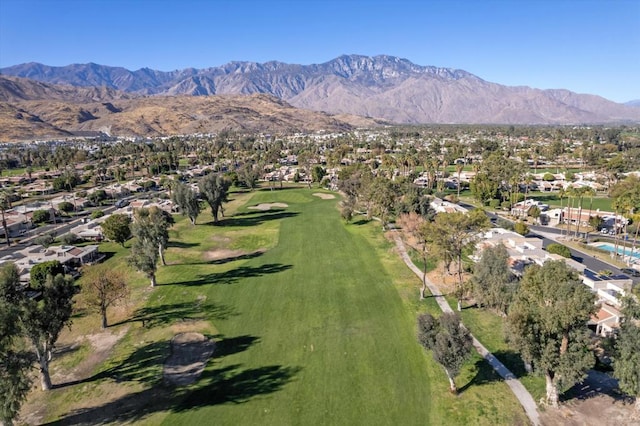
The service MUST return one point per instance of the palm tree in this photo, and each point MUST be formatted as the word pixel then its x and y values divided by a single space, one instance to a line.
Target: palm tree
pixel 4 206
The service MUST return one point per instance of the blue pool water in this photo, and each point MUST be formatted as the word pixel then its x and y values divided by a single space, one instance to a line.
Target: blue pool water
pixel 621 250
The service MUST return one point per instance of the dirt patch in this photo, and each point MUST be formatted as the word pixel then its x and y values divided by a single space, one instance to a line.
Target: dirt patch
pixel 324 196
pixel 268 206
pixel 189 355
pixel 599 410
pixel 222 254
pixel 596 401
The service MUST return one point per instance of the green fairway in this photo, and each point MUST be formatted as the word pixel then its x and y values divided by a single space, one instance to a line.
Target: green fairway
pixel 314 322
pixel 317 333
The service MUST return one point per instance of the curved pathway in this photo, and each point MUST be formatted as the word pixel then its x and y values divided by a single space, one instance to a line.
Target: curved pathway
pixel 525 398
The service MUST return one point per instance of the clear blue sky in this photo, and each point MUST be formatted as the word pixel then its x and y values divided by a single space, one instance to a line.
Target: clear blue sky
pixel 587 46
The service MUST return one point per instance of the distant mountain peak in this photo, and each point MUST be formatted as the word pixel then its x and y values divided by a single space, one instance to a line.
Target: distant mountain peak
pixel 384 86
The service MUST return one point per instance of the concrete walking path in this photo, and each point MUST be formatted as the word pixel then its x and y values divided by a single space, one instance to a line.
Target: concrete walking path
pixel 525 398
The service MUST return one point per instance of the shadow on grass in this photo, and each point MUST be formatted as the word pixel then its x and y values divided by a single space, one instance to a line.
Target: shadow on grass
pixel 361 222
pixel 162 315
pixel 484 374
pixel 246 256
pixel 513 361
pixel 180 244
pixel 235 275
pixel 252 220
pixel 230 384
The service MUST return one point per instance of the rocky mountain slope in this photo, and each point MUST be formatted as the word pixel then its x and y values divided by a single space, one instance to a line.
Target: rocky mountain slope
pixel 383 86
pixel 33 110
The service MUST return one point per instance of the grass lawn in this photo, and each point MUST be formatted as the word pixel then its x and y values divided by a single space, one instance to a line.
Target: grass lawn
pixel 551 198
pixel 314 322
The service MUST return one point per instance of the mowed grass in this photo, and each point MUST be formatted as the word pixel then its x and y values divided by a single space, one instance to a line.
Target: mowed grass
pixel 324 335
pixel 314 322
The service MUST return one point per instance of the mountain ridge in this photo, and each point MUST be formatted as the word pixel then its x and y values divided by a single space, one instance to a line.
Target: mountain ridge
pixel 384 86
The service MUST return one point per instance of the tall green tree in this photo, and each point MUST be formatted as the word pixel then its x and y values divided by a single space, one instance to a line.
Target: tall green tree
pixel 547 325
pixel 152 225
pixel 144 258
pixel 44 319
pixel 117 228
pixel 627 360
pixel 187 201
pixel 15 364
pixel 214 188
pixel 451 234
pixel 449 341
pixel 494 285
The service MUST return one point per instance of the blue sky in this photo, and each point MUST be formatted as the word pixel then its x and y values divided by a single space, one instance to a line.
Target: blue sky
pixel 587 46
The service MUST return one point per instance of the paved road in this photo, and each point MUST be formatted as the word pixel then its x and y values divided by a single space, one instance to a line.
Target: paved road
pixel 59 228
pixel 525 398
pixel 552 235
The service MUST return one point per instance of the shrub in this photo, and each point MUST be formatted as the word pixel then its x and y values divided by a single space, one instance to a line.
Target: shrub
pixel 559 249
pixel 68 238
pixel 548 177
pixel 40 216
pixel 521 228
pixel 96 214
pixel 494 203
pixel 65 206
pixel 506 205
pixel 41 271
pixel 44 240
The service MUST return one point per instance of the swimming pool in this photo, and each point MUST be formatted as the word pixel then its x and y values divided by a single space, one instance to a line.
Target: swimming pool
pixel 625 251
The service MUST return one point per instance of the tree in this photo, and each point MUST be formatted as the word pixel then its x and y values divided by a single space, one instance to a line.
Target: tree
pixel 117 228
pixel 494 285
pixel 317 173
pixel 45 240
pixel 65 206
pixel 40 216
pixel 103 287
pixel 451 234
pixel 249 175
pixel 44 319
pixel 42 271
pixel 547 325
pixel 144 258
pixel 14 363
pixel 5 205
pixel 214 188
pixel 534 212
pixel 521 228
pixel 627 360
pixel 556 248
pixel 152 225
pixel 187 201
pixel 449 341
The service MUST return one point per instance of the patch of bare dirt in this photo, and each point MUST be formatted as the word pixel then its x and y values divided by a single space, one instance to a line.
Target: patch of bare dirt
pixel 189 355
pixel 102 343
pixel 324 196
pixel 602 410
pixel 222 254
pixel 596 401
pixel 226 255
pixel 268 206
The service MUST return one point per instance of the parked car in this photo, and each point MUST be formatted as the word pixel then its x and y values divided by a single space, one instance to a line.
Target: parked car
pixel 630 271
pixel 121 203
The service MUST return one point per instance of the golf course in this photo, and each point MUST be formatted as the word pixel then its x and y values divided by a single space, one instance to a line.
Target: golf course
pixel 313 321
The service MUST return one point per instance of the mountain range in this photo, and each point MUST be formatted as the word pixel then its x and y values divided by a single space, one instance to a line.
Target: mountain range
pixel 385 87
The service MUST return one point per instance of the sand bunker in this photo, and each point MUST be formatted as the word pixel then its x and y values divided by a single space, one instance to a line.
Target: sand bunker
pixel 189 355
pixel 324 196
pixel 267 206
